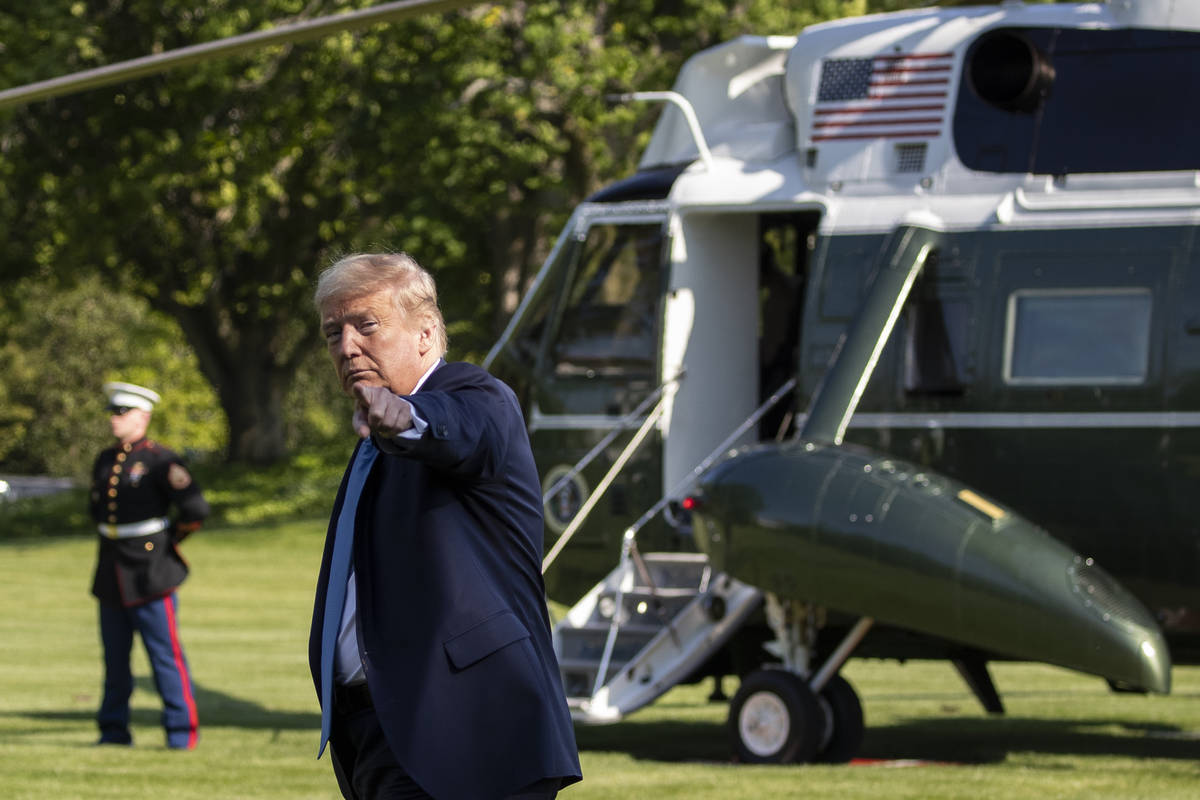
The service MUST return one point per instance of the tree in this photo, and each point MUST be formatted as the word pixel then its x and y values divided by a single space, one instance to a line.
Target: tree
pixel 61 345
pixel 216 191
pixel 212 193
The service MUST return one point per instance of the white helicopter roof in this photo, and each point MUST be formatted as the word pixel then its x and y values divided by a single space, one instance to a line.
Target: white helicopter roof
pixel 770 110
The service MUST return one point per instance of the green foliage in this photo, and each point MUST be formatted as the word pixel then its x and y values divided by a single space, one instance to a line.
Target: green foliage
pixel 302 487
pixel 212 191
pixel 61 344
pixel 315 411
pixel 216 191
pixel 59 514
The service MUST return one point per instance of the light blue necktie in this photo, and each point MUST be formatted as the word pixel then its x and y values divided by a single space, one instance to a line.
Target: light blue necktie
pixel 335 586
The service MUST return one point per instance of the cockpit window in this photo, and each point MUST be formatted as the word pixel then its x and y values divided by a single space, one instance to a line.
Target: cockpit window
pixel 527 342
pixel 1066 336
pixel 610 320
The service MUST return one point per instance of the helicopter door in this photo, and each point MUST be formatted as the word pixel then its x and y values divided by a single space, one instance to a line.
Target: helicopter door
pixel 733 319
pixel 599 360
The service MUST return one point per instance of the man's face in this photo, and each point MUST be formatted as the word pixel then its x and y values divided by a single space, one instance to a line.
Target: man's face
pixel 371 342
pixel 130 426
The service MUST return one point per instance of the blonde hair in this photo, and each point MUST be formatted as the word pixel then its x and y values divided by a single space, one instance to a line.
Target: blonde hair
pixel 414 292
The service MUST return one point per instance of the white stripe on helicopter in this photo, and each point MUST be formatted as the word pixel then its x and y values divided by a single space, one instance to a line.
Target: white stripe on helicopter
pixel 1131 419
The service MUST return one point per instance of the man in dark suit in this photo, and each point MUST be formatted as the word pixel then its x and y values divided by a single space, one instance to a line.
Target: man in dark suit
pixel 430 644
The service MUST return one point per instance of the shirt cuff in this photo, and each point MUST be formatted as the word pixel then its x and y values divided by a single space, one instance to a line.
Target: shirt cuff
pixel 419 425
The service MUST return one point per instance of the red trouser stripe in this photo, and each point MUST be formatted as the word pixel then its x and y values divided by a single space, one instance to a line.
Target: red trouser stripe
pixel 177 652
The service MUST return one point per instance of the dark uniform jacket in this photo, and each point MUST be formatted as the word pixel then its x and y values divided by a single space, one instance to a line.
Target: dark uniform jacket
pixel 453 627
pixel 133 483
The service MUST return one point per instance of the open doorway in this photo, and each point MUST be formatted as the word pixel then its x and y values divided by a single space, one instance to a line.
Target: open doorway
pixel 785 246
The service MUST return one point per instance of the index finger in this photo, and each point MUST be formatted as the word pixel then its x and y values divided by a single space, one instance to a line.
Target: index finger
pixel 364 393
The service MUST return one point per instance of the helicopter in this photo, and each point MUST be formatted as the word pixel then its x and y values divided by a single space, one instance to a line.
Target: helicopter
pixel 885 351
pixel 893 336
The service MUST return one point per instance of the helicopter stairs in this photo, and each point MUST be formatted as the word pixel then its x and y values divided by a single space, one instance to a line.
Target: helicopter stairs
pixel 644 628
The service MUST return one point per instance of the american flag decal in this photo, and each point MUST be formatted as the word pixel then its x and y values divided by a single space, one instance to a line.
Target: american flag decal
pixel 900 96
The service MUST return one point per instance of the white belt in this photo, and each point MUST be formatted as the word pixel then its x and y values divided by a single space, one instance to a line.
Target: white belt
pixel 132 529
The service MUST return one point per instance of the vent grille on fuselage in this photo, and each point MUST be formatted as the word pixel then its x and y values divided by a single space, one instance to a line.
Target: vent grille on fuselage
pixel 910 156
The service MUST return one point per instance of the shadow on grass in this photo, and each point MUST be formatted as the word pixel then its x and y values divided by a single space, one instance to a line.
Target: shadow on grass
pixel 957 741
pixel 658 741
pixel 216 709
pixel 220 709
pixel 981 741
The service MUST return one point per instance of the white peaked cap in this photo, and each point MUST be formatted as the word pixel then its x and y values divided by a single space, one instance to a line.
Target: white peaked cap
pixel 131 395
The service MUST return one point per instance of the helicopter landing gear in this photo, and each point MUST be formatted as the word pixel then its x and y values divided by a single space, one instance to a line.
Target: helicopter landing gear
pixel 789 715
pixel 843 718
pixel 775 719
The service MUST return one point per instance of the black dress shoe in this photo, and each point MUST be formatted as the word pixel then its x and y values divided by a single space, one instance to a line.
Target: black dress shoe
pixel 122 742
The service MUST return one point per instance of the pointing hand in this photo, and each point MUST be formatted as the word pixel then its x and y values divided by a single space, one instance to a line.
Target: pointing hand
pixel 380 412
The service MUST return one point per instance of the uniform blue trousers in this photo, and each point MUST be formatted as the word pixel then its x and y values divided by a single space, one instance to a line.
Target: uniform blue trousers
pixel 155 621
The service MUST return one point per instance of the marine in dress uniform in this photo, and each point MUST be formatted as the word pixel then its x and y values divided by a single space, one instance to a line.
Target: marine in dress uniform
pixel 134 484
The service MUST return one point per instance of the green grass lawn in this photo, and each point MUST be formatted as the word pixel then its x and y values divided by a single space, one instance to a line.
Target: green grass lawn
pixel 244 617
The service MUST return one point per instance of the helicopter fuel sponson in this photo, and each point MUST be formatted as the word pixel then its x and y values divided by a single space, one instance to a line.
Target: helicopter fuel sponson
pixel 961 245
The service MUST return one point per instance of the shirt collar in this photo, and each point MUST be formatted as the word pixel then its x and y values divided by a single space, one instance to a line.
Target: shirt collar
pixel 428 372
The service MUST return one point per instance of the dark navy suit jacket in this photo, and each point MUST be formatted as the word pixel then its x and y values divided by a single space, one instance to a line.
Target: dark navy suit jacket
pixel 453 627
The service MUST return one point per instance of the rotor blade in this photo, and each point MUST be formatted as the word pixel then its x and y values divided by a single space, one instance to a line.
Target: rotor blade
pixel 194 54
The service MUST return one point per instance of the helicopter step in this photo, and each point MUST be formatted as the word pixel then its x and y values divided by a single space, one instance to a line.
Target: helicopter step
pixel 648 625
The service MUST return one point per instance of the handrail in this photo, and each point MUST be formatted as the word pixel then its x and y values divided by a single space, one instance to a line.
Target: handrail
pixel 689 117
pixel 624 425
pixel 1097 199
pixel 700 468
pixel 631 557
pixel 610 642
pixel 602 487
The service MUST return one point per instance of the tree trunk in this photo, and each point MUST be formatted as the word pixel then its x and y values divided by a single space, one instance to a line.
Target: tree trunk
pixel 253 402
pixel 251 373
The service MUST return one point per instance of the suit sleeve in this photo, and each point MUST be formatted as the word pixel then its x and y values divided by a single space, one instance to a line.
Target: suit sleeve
pixel 468 432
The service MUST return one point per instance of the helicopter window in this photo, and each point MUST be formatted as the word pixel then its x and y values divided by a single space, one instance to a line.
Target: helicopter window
pixel 611 315
pixel 527 340
pixel 935 345
pixel 845 273
pixel 1078 336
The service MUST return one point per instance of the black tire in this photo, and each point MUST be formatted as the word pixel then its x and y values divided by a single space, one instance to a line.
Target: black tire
pixel 775 719
pixel 844 722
